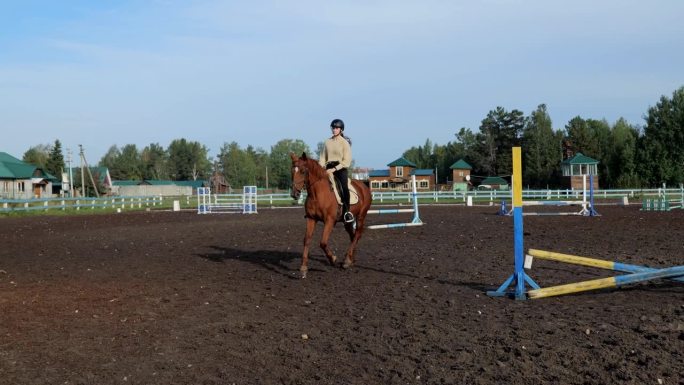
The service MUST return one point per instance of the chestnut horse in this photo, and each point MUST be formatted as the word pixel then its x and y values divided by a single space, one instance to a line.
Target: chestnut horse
pixel 321 206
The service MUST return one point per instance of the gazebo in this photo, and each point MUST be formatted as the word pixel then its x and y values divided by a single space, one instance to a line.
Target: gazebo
pixel 576 168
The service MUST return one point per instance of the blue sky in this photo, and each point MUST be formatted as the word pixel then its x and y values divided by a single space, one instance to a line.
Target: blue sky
pixel 398 72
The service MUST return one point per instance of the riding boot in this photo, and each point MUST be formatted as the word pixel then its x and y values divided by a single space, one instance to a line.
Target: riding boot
pixel 348 216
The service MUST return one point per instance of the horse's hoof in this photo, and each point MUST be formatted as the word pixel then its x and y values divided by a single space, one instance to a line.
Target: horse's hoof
pixel 333 260
pixel 302 273
pixel 347 264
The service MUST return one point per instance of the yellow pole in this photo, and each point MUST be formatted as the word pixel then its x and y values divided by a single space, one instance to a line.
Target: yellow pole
pixel 517 177
pixel 573 259
pixel 593 284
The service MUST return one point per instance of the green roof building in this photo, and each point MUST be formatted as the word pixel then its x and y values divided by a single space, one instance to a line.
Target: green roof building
pixel 493 183
pixel 21 180
pixel 577 171
pixel 398 177
pixel 460 175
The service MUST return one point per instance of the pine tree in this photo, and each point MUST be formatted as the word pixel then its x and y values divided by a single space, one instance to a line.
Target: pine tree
pixel 55 162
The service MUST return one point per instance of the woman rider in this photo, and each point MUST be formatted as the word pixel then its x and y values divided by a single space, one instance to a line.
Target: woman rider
pixel 336 159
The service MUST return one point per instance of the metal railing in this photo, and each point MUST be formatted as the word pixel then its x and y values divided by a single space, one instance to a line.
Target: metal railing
pixel 284 199
pixel 45 204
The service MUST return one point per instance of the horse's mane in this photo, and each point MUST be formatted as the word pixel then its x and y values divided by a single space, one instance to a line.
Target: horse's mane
pixel 315 169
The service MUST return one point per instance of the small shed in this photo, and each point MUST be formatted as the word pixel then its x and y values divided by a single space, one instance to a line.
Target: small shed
pixel 577 168
pixel 460 173
pixel 493 183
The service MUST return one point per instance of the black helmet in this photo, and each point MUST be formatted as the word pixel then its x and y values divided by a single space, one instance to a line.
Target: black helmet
pixel 337 123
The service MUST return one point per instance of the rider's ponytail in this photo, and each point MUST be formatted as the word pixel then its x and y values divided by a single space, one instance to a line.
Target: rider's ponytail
pixel 348 139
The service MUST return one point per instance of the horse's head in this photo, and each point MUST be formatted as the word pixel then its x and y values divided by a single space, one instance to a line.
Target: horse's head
pixel 300 174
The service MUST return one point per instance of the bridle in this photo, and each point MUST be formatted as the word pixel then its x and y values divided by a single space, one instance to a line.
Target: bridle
pixel 303 184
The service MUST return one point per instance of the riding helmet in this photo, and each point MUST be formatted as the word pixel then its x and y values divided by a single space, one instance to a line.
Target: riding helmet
pixel 337 123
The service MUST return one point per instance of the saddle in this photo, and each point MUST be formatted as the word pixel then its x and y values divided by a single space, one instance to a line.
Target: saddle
pixel 353 195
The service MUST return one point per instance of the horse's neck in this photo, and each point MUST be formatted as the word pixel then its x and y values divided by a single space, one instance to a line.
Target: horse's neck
pixel 318 178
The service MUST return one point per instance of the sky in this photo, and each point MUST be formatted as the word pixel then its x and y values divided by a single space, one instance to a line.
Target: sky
pixel 398 72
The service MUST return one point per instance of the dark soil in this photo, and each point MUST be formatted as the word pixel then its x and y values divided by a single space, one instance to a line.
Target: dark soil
pixel 181 298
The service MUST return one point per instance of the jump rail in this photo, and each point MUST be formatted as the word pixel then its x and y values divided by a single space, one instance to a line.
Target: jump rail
pixel 208 203
pixel 416 216
pixel 519 279
pixel 587 209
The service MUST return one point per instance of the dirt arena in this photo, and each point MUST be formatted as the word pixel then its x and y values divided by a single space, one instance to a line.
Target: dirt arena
pixel 181 298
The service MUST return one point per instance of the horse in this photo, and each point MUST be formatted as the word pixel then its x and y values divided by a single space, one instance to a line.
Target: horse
pixel 321 206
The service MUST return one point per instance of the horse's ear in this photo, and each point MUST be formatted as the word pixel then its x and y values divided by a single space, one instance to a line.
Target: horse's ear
pixel 304 156
pixel 293 156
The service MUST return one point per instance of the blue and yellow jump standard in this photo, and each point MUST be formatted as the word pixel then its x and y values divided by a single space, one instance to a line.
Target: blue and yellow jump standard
pixel 519 277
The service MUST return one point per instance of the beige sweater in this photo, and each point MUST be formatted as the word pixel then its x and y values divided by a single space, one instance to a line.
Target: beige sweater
pixel 337 149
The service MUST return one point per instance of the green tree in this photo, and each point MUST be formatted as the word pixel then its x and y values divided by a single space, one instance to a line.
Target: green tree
pixel 467 146
pixel 55 162
pixel 109 160
pixel 188 160
pixel 622 160
pixel 129 163
pixel 661 155
pixel 499 132
pixel 442 161
pixel 238 166
pixel 280 162
pixel 260 159
pixel 37 155
pixel 580 135
pixel 541 150
pixel 421 156
pixel 600 132
pixel 154 162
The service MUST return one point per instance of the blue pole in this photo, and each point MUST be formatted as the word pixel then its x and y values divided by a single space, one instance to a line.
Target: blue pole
pixel 518 275
pixel 592 211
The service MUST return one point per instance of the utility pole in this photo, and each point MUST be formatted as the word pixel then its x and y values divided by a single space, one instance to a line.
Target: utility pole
pixel 83 189
pixel 84 162
pixel 71 175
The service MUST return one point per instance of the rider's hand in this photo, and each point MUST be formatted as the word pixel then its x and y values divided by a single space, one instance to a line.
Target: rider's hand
pixel 330 170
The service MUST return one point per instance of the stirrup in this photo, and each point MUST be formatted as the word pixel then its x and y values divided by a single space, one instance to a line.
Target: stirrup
pixel 348 217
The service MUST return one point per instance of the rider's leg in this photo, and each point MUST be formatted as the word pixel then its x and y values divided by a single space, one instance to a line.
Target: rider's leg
pixel 342 177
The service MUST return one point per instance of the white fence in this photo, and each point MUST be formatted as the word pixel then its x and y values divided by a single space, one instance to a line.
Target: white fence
pixel 143 190
pixel 388 198
pixel 45 204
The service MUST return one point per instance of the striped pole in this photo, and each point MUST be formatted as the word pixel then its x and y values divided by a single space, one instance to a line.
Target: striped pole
pixel 592 262
pixel 604 283
pixel 519 276
pixel 416 216
pixel 394 225
pixel 592 210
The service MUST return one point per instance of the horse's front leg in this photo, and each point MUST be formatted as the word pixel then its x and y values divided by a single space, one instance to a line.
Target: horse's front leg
pixel 310 226
pixel 354 230
pixel 327 229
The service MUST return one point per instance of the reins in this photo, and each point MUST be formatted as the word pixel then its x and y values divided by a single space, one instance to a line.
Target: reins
pixel 306 185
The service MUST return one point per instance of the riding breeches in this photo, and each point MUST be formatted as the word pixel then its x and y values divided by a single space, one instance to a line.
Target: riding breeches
pixel 341 175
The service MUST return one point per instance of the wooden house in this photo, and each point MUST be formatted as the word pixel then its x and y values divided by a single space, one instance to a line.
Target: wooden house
pixel 398 177
pixel 460 175
pixel 21 180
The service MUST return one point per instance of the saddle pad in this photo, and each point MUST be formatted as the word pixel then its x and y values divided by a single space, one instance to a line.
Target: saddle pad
pixel 353 195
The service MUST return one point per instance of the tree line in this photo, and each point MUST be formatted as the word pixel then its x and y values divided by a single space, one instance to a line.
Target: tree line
pixel 630 156
pixel 183 160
